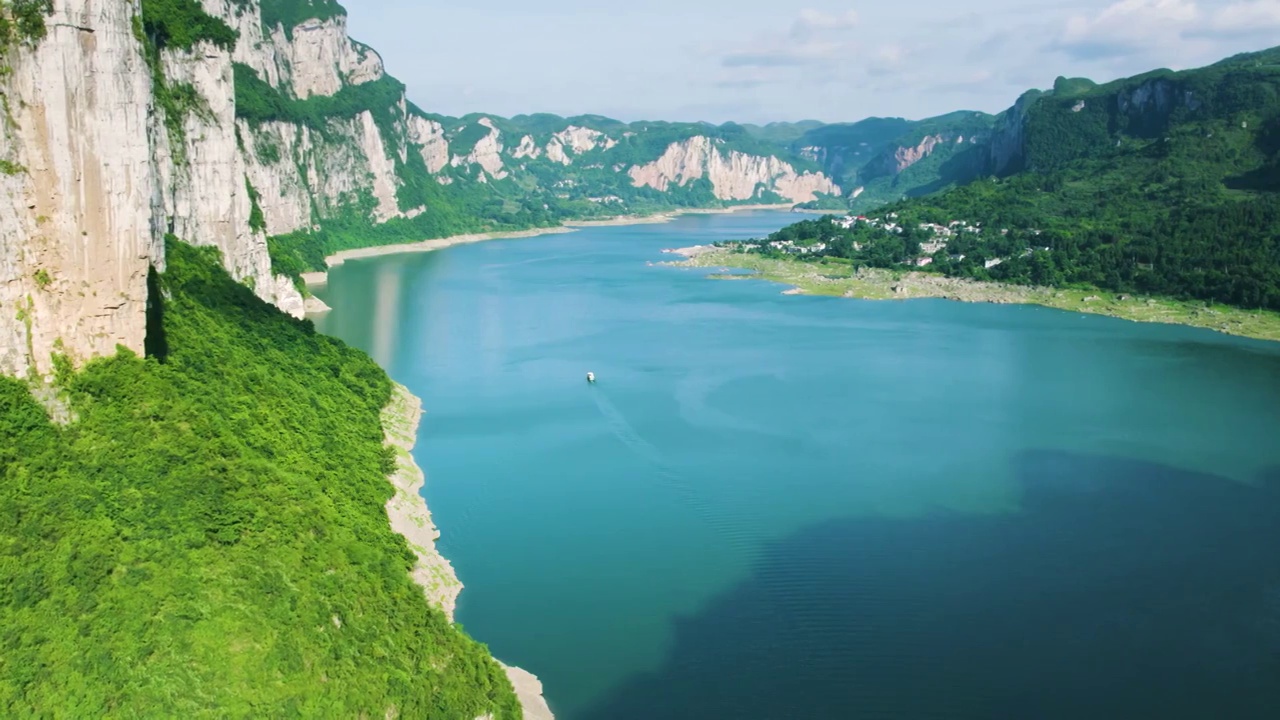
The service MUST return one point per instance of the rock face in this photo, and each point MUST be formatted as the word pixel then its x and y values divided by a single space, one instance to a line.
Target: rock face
pixel 203 173
pixel 733 175
pixel 905 157
pixel 93 174
pixel 79 193
pixel 96 174
pixel 428 136
pixel 1006 153
pixel 575 140
pixel 487 153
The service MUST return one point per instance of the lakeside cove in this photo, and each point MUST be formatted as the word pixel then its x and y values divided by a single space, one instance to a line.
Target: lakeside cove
pixel 852 467
pixel 319 278
pixel 837 279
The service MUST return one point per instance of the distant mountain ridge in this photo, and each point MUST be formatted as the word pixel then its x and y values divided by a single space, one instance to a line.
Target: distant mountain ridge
pixel 1166 183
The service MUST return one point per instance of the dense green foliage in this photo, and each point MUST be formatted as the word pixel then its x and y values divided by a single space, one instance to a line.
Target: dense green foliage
pixel 258 102
pixel 183 23
pixel 209 539
pixel 864 157
pixel 291 13
pixel 1164 184
pixel 22 21
pixel 782 133
pixel 177 24
pixel 257 222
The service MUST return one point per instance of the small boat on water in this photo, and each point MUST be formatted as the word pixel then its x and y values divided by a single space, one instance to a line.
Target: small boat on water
pixel 591 377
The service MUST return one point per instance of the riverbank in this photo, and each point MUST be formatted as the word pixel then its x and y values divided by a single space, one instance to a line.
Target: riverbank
pixel 815 278
pixel 321 277
pixel 410 517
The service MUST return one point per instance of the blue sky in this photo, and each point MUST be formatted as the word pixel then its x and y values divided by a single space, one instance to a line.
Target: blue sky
pixel 757 61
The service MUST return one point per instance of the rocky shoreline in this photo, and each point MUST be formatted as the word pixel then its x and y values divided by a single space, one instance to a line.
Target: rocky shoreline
pixel 410 517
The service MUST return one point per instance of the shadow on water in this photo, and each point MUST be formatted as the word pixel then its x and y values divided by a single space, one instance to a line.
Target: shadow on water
pixel 1123 590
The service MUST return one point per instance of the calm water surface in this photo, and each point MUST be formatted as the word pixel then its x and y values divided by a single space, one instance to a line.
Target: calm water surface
pixel 793 507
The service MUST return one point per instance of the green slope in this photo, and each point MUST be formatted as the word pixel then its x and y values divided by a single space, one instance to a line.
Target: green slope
pixel 208 539
pixel 1163 184
pixel 866 156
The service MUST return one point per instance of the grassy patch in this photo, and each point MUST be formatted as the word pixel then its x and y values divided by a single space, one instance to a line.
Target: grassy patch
pixel 824 278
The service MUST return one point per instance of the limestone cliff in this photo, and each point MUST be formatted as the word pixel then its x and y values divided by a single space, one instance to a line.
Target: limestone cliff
pixel 1005 152
pixel 114 137
pixel 281 130
pixel 575 140
pixel 202 173
pixel 733 175
pixel 487 154
pixel 905 157
pixel 79 191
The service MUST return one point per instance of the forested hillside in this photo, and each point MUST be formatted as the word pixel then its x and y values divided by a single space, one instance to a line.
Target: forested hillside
pixel 1163 184
pixel 208 538
pixel 881 160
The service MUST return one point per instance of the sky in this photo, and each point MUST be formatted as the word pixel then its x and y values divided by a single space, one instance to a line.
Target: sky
pixel 767 60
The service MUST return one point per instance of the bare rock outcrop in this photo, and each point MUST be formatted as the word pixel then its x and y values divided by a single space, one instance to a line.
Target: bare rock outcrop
pixel 734 176
pixel 78 191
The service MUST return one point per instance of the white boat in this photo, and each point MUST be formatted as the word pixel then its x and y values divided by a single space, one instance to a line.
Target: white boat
pixel 591 377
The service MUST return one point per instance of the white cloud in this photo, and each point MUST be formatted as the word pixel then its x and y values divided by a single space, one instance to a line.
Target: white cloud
pixel 1143 29
pixel 814 38
pixel 1128 27
pixel 815 22
pixel 1244 18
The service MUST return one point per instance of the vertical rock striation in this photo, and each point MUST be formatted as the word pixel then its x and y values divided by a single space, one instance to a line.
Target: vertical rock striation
pixel 733 175
pixel 79 191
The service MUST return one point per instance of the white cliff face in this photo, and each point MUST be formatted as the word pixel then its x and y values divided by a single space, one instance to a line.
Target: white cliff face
pixel 428 137
pixel 803 187
pixel 381 168
pixel 527 149
pixel 583 140
pixel 682 163
pixel 575 140
pixel 283 193
pixel 77 230
pixel 487 154
pixel 203 176
pixel 317 58
pixel 905 157
pixel 362 65
pixel 556 153
pixel 734 176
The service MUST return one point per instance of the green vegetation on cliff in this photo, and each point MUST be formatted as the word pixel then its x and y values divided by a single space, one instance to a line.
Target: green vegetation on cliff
pixel 880 160
pixel 21 21
pixel 291 13
pixel 207 538
pixel 177 24
pixel 183 23
pixel 258 102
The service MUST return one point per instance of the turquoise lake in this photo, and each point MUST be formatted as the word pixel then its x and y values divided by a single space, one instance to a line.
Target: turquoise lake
pixel 775 506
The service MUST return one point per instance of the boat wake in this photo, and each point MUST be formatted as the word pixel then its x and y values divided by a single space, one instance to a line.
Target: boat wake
pixel 735 532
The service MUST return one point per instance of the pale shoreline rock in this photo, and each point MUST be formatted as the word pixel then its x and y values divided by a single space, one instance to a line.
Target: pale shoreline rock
pixel 409 516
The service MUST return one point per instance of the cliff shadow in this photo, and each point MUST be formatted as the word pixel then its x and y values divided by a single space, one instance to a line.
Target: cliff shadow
pixel 1124 589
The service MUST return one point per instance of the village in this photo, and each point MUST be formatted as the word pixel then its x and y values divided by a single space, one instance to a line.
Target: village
pixel 939 237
